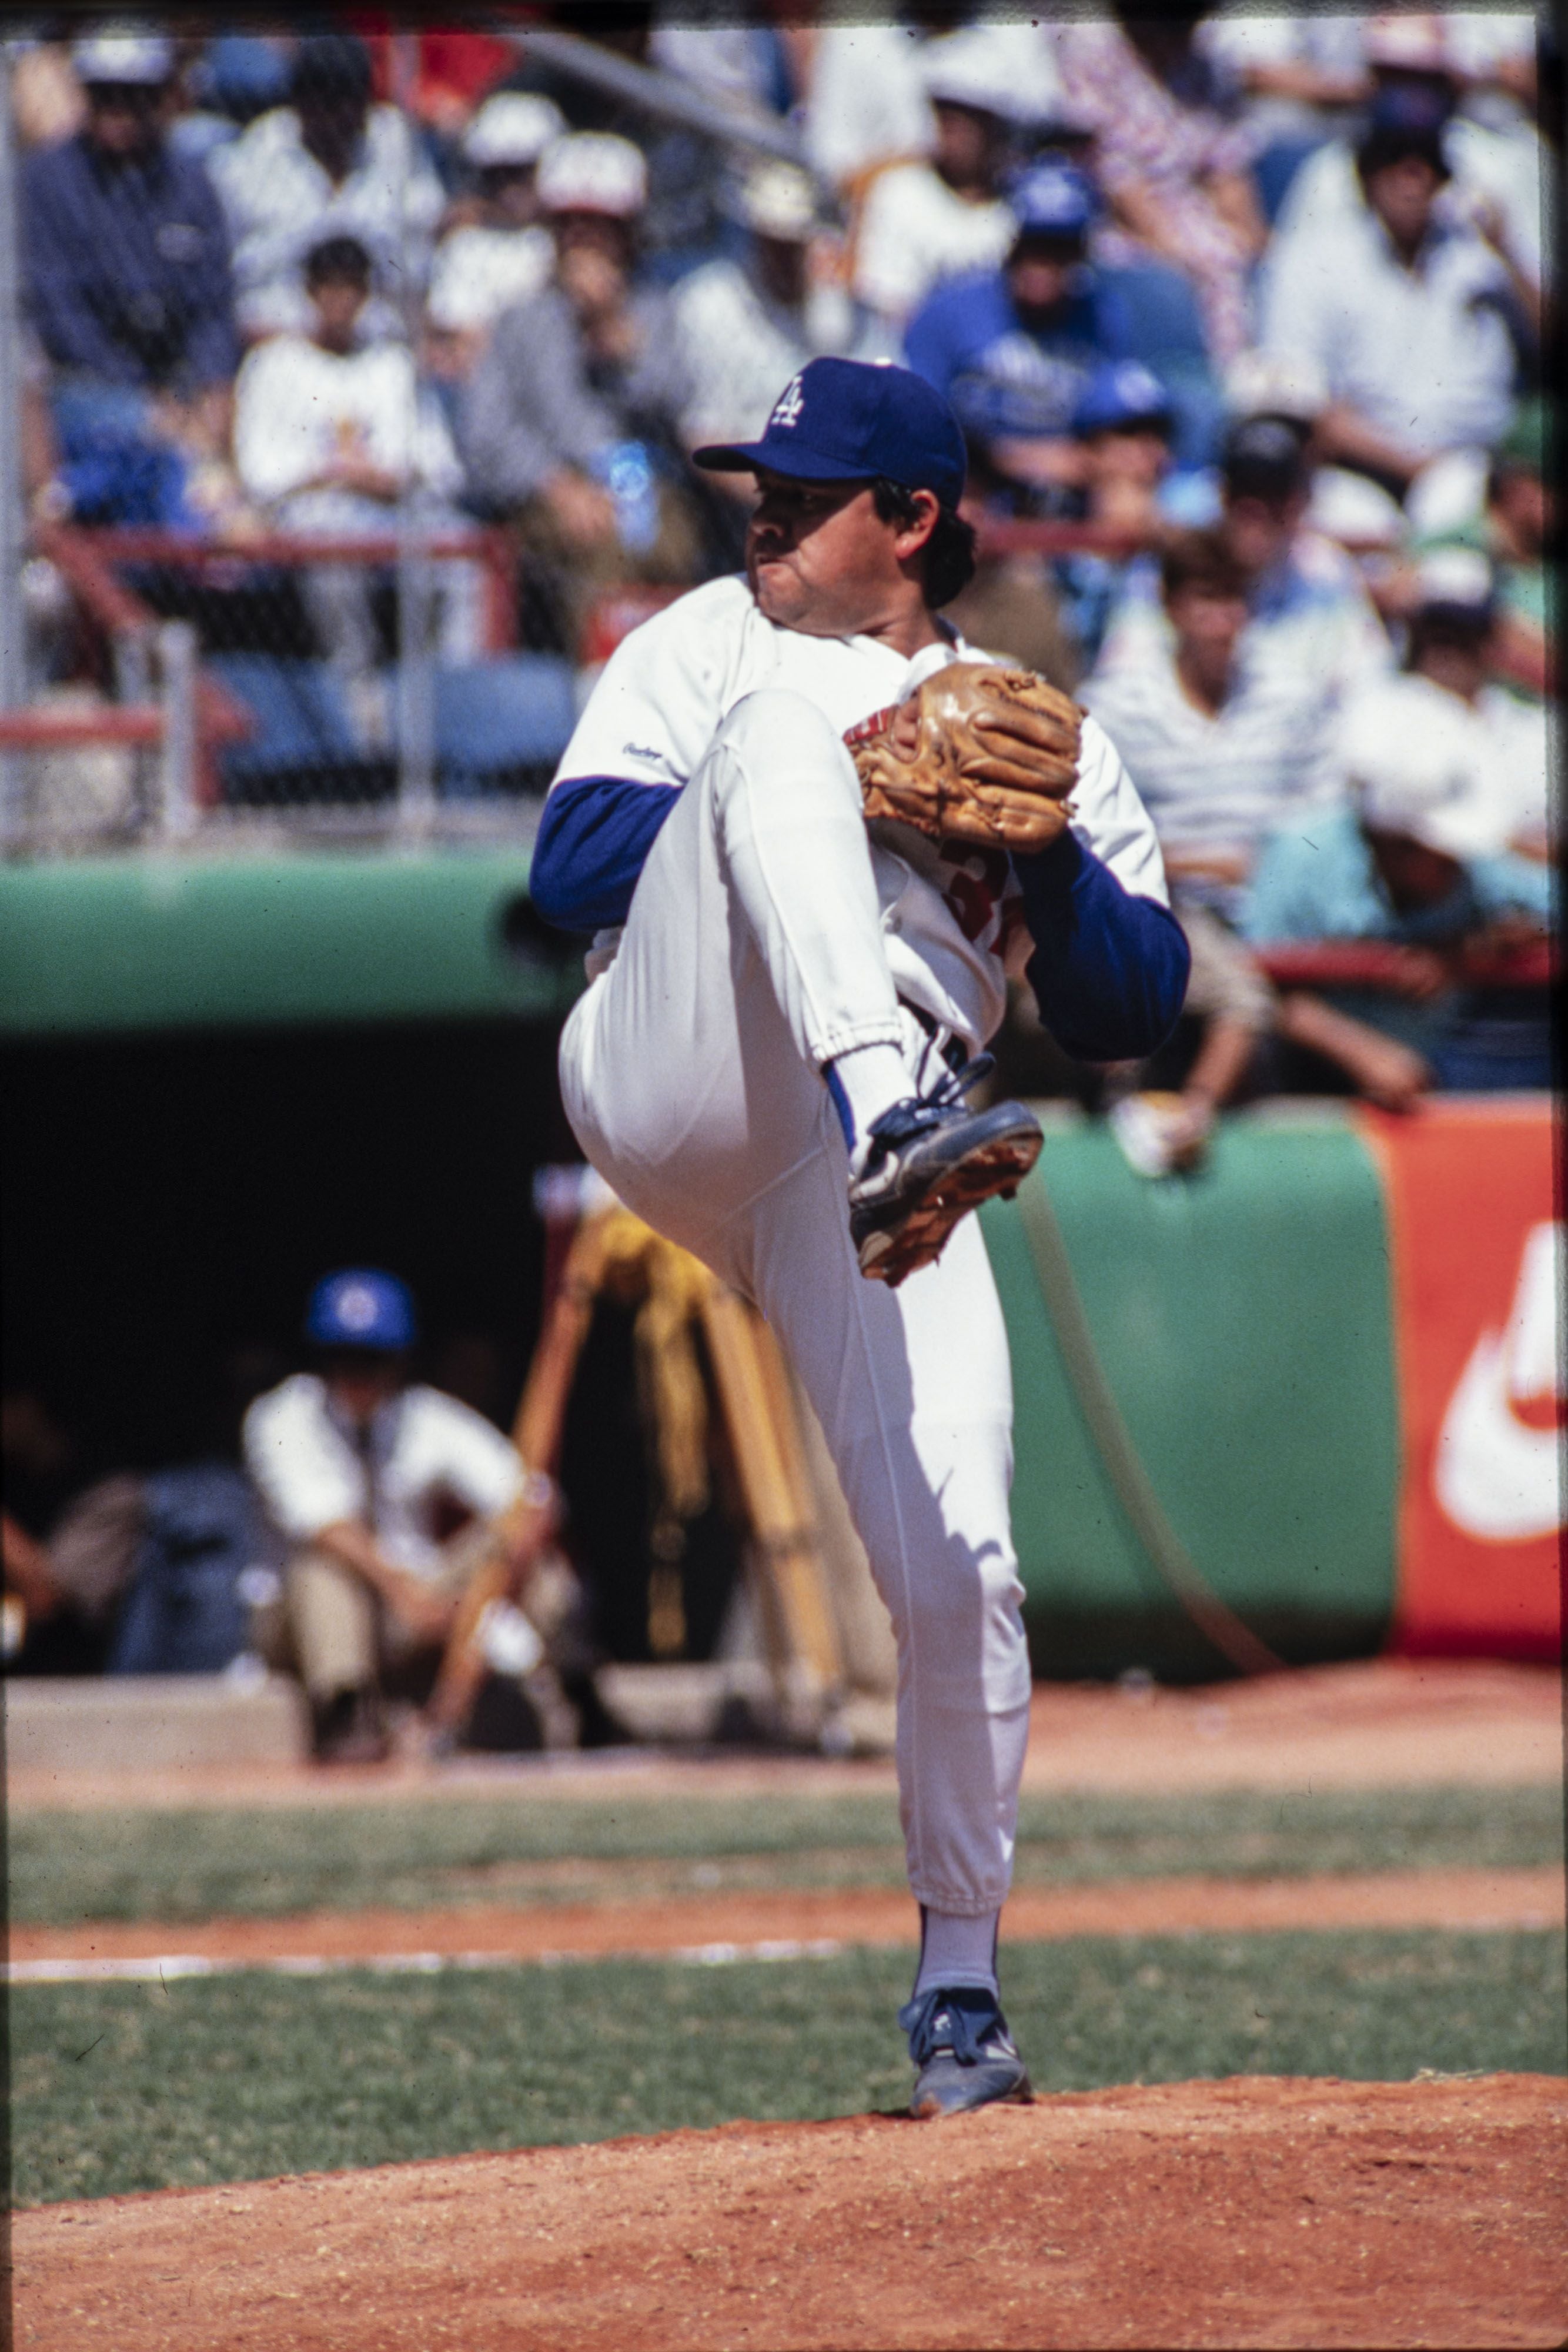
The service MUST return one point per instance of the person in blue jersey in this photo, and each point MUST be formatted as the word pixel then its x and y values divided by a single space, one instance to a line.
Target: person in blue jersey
pixel 770 1061
pixel 1014 349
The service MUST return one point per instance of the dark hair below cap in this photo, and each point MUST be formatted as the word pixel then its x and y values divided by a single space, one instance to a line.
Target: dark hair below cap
pixel 1264 458
pixel 340 258
pixel 1201 559
pixel 330 66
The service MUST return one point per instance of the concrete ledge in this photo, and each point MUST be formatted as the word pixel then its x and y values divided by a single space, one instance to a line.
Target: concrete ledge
pixel 151 1723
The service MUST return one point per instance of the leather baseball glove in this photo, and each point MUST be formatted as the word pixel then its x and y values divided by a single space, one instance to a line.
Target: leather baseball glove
pixel 976 753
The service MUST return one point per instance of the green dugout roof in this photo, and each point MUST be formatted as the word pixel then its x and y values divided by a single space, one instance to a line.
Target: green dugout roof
pixel 138 942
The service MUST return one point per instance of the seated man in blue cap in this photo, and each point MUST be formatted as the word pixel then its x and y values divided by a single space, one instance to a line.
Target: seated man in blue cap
pixel 1014 349
pixel 384 1491
pixel 770 1061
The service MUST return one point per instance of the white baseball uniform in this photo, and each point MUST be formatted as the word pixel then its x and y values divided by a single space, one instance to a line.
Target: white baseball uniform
pixel 768 934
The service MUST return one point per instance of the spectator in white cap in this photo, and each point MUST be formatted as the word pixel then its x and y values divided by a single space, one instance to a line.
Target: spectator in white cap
pixel 501 252
pixel 747 326
pixel 126 265
pixel 329 163
pixel 571 423
pixel 1442 774
pixel 926 221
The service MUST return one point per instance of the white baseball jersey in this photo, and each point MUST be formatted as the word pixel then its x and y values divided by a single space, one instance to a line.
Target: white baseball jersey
pixel 952 931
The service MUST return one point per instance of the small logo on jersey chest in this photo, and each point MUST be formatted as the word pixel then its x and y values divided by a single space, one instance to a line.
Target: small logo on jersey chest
pixel 791 401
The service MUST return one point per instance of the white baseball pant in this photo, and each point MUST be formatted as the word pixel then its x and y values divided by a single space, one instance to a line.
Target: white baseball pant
pixel 690 1069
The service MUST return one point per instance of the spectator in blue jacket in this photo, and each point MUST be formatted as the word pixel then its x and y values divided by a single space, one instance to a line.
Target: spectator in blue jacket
pixel 1014 349
pixel 127 269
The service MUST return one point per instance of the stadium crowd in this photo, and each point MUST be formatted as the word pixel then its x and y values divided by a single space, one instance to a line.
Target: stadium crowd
pixel 1258 307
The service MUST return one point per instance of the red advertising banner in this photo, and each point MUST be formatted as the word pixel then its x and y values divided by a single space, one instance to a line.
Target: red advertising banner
pixel 1476 1245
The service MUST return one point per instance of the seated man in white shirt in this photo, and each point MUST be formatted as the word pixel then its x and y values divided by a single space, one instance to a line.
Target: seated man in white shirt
pixel 362 1475
pixel 924 222
pixel 329 163
pixel 744 327
pixel 1415 322
pixel 500 252
pixel 333 437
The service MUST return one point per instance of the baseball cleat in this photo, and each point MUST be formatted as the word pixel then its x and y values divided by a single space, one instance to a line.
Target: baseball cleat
pixel 964 2055
pixel 929 1161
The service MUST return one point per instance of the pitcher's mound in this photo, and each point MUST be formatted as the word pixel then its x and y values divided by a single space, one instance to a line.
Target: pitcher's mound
pixel 1252 2212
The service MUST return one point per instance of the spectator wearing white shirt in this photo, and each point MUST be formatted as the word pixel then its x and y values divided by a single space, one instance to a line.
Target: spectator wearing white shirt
pixel 1415 321
pixel 1442 70
pixel 328 164
pixel 361 1474
pixel 1218 759
pixel 332 435
pixel 1308 611
pixel 504 253
pixel 744 327
pixel 923 221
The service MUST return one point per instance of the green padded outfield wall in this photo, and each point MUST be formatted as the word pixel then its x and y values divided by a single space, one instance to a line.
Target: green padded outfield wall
pixel 1243 1320
pixel 91 945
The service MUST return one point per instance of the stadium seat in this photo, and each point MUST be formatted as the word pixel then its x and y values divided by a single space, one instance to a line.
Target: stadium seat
pixel 305 746
pixel 502 725
pixel 1168 336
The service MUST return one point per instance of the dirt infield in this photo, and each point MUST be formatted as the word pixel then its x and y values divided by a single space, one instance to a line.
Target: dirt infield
pixel 1152 1907
pixel 1250 2212
pixel 1379 1722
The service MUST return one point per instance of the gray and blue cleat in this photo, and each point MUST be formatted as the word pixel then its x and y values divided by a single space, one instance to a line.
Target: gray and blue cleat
pixel 964 2055
pixel 929 1161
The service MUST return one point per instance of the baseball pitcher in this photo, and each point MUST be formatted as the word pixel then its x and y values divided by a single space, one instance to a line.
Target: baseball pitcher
pixel 814 833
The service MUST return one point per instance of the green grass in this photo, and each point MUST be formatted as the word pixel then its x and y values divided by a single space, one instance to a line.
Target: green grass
pixel 126 2087
pixel 194 1864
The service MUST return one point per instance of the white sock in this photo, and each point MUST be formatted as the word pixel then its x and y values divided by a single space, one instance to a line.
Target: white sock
pixel 955 1951
pixel 863 1084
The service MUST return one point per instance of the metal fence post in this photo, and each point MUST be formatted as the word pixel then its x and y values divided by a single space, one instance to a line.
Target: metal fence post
pixel 177 667
pixel 415 698
pixel 12 619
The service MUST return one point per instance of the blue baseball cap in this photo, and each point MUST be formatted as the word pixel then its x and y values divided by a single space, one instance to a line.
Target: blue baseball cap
pixel 847 421
pixel 1052 199
pixel 361 1308
pixel 1121 392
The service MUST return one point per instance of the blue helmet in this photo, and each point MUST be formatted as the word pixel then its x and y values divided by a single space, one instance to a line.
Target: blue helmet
pixel 1121 392
pixel 361 1308
pixel 1052 199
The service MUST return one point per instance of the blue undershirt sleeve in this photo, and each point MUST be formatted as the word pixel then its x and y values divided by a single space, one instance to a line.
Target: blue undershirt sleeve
pixel 1109 969
pixel 593 840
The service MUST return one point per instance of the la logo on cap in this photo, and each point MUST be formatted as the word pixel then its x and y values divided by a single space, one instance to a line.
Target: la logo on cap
pixel 791 401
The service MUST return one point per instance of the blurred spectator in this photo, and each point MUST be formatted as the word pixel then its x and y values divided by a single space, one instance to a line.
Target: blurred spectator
pixel 129 291
pixel 327 164
pixel 572 412
pixel 1442 718
pixel 46 100
pixel 926 221
pixel 1013 347
pixel 332 432
pixel 1309 614
pixel 364 1475
pixel 1509 514
pixel 1221 750
pixel 1173 164
pixel 1418 66
pixel 868 102
pixel 1443 782
pixel 745 327
pixel 234 79
pixel 1413 322
pixel 503 253
pixel 1123 426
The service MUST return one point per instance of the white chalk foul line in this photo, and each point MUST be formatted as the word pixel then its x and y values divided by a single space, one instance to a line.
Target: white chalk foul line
pixel 166 1967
